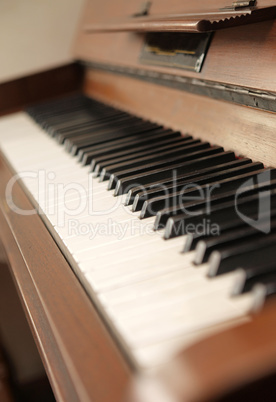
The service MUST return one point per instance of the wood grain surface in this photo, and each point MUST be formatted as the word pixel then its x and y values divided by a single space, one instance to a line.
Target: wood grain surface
pixel 243 56
pixel 246 131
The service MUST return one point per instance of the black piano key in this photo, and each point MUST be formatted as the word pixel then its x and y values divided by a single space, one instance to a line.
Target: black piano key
pixel 175 203
pixel 87 155
pixel 61 120
pixel 68 115
pixel 85 130
pixel 179 151
pixel 230 239
pixel 55 117
pixel 115 179
pixel 66 126
pixel 105 129
pixel 138 152
pixel 125 184
pixel 265 288
pixel 74 121
pixel 79 127
pixel 46 110
pixel 177 225
pixel 224 217
pixel 261 251
pixel 135 147
pixel 100 138
pixel 199 181
pixel 227 221
pixel 191 241
pixel 133 192
pixel 248 277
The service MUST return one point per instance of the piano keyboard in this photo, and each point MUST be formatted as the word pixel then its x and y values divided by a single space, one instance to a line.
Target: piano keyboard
pixel 162 270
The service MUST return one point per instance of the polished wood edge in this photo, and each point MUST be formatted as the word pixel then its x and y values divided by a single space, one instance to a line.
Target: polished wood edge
pixel 217 366
pixel 22 92
pixel 36 319
pixel 192 22
pixel 79 355
pixel 226 361
pixel 246 131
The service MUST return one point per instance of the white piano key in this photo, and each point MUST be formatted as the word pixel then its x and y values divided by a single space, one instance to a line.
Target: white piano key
pixel 146 288
pixel 138 269
pixel 125 253
pixel 190 287
pixel 107 234
pixel 139 238
pixel 193 315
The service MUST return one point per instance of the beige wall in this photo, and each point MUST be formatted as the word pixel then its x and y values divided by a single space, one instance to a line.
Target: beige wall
pixel 36 35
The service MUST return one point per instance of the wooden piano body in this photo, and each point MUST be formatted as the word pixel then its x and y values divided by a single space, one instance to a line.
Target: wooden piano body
pixel 231 102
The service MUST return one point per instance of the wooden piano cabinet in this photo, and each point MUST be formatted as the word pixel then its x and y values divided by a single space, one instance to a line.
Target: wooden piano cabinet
pixel 81 359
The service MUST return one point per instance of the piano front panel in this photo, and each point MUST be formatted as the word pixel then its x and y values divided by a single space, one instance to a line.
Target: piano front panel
pixel 246 131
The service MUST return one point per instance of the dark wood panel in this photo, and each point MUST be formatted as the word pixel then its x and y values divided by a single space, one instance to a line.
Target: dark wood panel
pixel 14 95
pixel 82 361
pixel 5 386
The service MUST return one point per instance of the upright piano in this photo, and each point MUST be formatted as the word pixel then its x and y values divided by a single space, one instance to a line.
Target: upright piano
pixel 138 213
